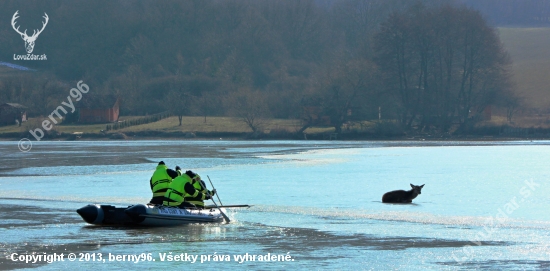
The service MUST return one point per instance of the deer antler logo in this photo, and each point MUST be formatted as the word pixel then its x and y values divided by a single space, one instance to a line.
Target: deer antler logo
pixel 29 41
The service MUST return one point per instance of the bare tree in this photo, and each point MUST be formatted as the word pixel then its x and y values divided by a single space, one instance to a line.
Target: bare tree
pixel 343 90
pixel 512 102
pixel 204 105
pixel 512 107
pixel 442 62
pixel 179 103
pixel 250 107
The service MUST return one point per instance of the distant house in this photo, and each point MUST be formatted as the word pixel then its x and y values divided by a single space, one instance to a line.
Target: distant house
pixel 98 109
pixel 12 113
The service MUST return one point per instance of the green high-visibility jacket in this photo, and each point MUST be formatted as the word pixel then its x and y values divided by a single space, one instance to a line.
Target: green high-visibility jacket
pixel 199 185
pixel 178 188
pixel 160 181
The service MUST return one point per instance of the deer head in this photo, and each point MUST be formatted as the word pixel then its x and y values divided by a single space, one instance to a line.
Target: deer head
pixel 29 41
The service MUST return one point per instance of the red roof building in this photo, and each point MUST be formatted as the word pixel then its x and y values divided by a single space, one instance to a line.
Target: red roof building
pixel 98 109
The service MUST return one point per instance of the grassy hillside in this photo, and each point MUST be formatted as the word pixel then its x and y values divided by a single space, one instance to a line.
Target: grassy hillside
pixel 171 124
pixel 529 49
pixel 212 126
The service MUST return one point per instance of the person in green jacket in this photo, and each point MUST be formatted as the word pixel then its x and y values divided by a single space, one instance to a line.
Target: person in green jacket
pixel 181 186
pixel 199 185
pixel 160 181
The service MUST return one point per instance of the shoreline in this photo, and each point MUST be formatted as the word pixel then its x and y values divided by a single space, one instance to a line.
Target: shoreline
pixel 389 133
pixel 176 136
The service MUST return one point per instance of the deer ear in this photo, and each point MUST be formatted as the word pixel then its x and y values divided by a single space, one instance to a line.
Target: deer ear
pixel 422 186
pixel 412 185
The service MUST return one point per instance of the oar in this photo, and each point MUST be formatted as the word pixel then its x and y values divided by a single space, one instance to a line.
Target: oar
pixel 225 217
pixel 229 206
pixel 214 188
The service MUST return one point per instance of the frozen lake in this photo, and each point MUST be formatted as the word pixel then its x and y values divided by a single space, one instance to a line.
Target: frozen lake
pixel 484 204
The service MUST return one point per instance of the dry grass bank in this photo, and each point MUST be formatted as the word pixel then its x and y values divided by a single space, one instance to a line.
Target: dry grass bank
pixel 529 49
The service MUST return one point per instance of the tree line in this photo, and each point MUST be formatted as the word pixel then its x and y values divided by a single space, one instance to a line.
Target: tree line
pixel 442 65
pixel 431 62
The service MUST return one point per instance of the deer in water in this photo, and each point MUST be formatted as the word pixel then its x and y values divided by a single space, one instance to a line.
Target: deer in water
pixel 29 40
pixel 402 196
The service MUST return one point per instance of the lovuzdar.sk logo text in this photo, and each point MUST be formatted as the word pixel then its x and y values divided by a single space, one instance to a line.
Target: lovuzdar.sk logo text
pixel 29 40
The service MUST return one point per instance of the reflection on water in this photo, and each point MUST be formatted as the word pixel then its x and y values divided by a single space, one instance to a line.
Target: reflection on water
pixel 317 201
